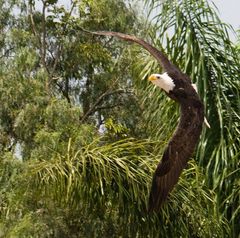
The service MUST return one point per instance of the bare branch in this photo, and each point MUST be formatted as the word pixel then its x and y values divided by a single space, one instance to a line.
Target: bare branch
pixel 59 48
pixel 99 100
pixel 44 34
pixel 108 107
pixel 33 23
pixel 6 53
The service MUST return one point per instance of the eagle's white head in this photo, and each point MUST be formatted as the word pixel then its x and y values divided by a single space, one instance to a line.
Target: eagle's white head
pixel 163 81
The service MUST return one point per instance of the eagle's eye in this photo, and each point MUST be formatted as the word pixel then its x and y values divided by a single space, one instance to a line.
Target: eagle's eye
pixel 158 77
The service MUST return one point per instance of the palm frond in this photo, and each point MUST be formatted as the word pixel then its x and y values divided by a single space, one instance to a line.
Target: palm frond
pixel 112 181
pixel 197 41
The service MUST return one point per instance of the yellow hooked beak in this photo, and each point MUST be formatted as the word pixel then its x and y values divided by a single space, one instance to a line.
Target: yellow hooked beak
pixel 152 77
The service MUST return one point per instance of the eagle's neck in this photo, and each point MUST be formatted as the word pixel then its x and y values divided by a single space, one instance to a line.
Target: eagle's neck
pixel 189 128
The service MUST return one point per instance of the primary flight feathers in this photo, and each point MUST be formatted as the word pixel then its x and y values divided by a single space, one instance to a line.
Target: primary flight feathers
pixel 181 146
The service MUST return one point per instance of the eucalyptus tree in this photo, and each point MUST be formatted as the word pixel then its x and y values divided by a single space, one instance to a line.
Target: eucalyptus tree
pixel 55 68
pixel 56 85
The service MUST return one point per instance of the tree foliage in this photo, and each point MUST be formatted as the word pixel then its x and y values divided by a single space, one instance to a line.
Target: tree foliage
pixel 201 46
pixel 81 133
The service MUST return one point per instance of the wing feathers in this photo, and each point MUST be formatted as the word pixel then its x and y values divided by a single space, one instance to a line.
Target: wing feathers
pixel 161 58
pixel 176 156
pixel 162 186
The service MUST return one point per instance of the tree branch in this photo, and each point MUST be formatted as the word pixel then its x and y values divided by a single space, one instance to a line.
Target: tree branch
pixel 108 107
pixel 99 100
pixel 59 48
pixel 33 23
pixel 6 53
pixel 44 34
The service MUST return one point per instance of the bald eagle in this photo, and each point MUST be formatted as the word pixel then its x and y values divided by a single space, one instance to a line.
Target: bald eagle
pixel 180 148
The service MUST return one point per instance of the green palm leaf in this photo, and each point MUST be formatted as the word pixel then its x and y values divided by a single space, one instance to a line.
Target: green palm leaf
pixel 112 181
pixel 197 41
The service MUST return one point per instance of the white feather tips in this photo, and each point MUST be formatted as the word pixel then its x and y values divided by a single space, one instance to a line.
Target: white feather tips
pixel 205 119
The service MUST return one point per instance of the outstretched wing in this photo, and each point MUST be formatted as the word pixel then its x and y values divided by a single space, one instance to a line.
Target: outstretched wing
pixel 176 155
pixel 166 176
pixel 161 58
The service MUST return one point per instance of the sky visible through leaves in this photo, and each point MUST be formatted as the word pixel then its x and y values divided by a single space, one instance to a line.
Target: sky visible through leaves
pixel 228 11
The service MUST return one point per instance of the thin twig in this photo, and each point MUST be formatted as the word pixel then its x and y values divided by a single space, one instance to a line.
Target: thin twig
pixel 99 100
pixel 59 48
pixel 33 23
pixel 44 33
pixel 108 107
pixel 6 52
